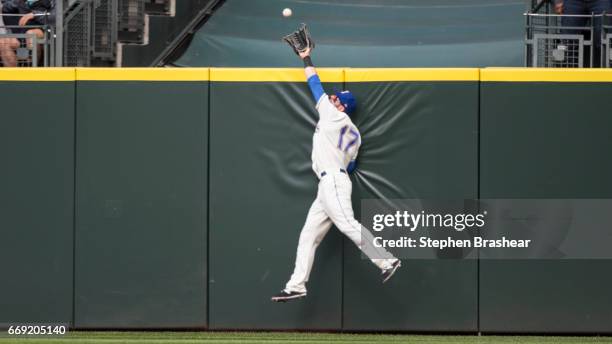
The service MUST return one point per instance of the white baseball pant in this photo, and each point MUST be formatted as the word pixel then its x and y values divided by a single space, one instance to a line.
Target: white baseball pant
pixel 332 206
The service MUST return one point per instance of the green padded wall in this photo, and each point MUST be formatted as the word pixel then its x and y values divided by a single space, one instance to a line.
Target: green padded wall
pixel 190 197
pixel 36 201
pixel 261 187
pixel 545 140
pixel 141 204
pixel 419 141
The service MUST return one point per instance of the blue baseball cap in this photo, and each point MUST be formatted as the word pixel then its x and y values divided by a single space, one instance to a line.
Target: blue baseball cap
pixel 348 100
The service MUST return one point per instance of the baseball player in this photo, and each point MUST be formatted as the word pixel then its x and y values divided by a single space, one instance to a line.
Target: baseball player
pixel 335 145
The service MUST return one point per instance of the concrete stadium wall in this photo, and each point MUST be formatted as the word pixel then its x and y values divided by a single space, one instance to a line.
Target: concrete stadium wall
pixel 173 198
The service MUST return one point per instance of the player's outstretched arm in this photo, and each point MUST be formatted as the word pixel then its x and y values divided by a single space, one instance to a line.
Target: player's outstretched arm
pixel 311 75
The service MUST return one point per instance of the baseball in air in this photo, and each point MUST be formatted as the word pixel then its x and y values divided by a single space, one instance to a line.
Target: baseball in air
pixel 287 12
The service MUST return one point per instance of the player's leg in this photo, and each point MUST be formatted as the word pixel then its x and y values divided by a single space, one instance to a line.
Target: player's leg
pixel 316 226
pixel 335 194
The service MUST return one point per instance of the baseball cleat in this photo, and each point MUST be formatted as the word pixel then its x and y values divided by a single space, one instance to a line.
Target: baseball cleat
pixel 285 296
pixel 386 274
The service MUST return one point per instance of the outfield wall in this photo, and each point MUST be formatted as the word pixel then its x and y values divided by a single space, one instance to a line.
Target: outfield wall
pixel 545 135
pixel 173 198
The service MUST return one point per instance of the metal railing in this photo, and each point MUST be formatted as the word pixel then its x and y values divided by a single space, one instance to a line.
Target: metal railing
pixel 89 31
pixel 105 30
pixel 85 31
pixel 565 40
pixel 553 40
pixel 606 41
pixel 131 21
pixel 26 46
pixel 158 7
pixel 92 29
pixel 77 31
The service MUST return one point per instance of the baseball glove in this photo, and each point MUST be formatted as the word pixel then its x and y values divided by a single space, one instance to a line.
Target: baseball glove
pixel 300 40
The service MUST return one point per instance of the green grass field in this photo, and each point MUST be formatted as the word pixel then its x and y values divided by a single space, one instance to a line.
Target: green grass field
pixel 276 337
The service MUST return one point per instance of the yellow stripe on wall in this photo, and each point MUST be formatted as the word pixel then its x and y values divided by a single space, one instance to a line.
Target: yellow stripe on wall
pixel 273 74
pixel 411 74
pixel 143 74
pixel 546 74
pixel 297 74
pixel 37 74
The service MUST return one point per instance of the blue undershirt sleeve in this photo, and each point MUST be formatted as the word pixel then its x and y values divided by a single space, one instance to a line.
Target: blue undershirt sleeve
pixel 315 87
pixel 352 166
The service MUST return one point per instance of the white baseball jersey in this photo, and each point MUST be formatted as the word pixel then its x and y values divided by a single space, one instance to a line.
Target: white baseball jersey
pixel 336 139
pixel 335 143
